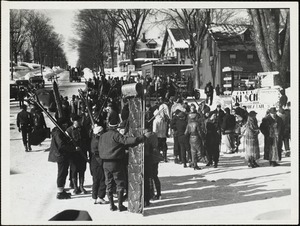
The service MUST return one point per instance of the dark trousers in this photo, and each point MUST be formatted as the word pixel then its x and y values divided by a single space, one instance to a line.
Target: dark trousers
pixel 99 187
pixel 147 178
pixel 77 165
pixel 156 179
pixel 176 148
pixel 213 153
pixel 162 144
pixel 25 135
pixel 21 102
pixel 62 173
pixel 209 97
pixel 114 175
pixel 184 147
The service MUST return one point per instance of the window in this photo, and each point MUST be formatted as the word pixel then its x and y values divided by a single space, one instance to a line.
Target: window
pixel 250 58
pixel 182 54
pixel 232 58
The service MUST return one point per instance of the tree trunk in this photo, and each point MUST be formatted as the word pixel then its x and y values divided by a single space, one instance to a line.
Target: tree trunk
pixel 16 57
pixel 259 41
pixel 285 57
pixel 112 58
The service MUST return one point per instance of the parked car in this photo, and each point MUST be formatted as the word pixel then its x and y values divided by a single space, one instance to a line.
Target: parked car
pixel 37 81
pixel 14 89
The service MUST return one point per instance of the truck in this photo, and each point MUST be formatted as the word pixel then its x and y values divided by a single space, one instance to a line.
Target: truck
pixel 75 74
pixel 184 82
pixel 152 70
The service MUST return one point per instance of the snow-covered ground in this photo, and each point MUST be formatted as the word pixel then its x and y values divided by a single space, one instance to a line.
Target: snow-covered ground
pixel 229 194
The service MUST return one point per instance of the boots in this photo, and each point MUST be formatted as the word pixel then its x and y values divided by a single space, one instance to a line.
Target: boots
pixel 111 201
pixel 158 190
pixel 76 189
pixel 165 156
pixel 81 188
pixel 26 148
pixel 120 201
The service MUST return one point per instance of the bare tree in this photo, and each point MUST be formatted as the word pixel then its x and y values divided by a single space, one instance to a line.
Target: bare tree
pixel 193 25
pixel 17 32
pixel 93 44
pixel 129 22
pixel 273 49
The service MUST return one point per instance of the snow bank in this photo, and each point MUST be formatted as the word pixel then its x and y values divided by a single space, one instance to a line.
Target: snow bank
pixel 87 73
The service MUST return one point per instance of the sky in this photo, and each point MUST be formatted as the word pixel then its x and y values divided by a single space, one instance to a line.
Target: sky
pixel 62 21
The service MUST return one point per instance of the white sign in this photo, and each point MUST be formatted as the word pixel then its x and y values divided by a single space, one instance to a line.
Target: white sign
pixel 257 98
pixel 131 67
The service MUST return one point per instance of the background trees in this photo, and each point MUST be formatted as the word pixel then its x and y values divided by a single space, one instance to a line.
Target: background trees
pixel 34 39
pixel 129 22
pixel 93 43
pixel 272 40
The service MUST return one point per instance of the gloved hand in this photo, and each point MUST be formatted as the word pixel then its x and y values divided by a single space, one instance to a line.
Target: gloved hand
pixel 140 139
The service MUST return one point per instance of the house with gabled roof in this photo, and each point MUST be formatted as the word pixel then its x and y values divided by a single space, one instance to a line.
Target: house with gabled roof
pixel 225 45
pixel 174 48
pixel 147 50
pixel 229 47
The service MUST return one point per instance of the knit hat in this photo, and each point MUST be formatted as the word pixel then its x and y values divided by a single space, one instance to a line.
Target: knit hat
pixel 113 122
pixel 272 110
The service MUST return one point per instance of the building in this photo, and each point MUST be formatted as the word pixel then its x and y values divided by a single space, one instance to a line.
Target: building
pixel 175 47
pixel 147 50
pixel 229 47
pixel 225 45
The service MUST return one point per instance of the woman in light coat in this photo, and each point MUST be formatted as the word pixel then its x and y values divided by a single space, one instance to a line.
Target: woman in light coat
pixel 250 132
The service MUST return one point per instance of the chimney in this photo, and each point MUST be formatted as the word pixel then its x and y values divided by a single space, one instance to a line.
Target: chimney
pixel 144 37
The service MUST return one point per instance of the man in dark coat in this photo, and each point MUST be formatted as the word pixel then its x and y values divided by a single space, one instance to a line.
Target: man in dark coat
pixel 21 96
pixel 228 128
pixel 59 152
pixel 180 127
pixel 150 146
pixel 99 187
pixel 25 124
pixel 212 139
pixel 112 145
pixel 272 128
pixel 209 91
pixel 79 156
pixel 219 115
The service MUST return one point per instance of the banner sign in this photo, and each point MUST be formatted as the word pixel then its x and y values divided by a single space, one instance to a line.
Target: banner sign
pixel 257 98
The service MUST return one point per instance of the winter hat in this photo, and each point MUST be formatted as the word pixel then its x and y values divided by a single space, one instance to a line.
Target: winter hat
pixel 181 115
pixel 113 122
pixel 211 113
pixel 272 110
pixel 252 113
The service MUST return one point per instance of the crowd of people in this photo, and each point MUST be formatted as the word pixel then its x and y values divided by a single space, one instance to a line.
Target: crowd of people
pixel 197 132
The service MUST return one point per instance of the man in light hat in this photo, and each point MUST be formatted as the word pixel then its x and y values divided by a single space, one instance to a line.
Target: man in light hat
pixel 111 146
pixel 272 128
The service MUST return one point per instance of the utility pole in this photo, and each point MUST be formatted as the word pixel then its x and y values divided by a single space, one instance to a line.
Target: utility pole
pixel 11 56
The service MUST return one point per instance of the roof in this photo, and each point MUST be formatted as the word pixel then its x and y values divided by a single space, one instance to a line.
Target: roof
pixel 179 38
pixel 142 46
pixel 232 37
